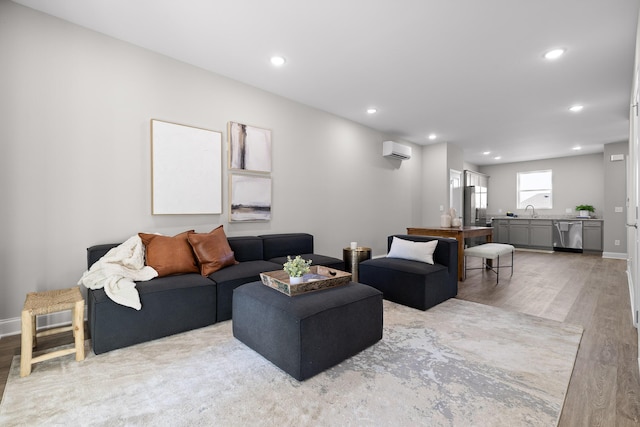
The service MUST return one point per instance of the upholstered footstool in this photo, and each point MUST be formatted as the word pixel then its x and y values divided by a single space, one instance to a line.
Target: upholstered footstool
pixel 309 333
pixel 489 251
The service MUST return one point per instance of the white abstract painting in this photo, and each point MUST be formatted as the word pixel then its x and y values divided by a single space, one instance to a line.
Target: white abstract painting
pixel 249 148
pixel 250 198
pixel 186 168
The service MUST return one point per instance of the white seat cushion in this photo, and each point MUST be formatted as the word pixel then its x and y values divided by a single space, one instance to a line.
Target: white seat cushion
pixel 489 250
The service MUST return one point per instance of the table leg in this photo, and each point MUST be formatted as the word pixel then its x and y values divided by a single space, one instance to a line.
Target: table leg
pixel 460 239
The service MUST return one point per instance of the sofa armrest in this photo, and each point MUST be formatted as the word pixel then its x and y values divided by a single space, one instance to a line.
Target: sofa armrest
pixel 94 253
pixel 246 248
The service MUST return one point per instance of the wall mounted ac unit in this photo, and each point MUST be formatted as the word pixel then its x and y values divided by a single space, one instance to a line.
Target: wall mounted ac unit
pixel 397 151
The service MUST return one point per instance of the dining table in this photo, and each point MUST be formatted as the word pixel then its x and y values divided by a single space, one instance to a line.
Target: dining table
pixel 458 233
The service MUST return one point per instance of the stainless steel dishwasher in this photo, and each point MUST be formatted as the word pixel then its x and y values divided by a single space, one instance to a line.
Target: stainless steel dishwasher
pixel 567 236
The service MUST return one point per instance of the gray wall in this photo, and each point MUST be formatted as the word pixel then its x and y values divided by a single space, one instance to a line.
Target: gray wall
pixel 437 160
pixel 75 155
pixel 615 196
pixel 589 179
pixel 576 180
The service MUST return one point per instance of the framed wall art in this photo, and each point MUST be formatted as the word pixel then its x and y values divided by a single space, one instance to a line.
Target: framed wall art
pixel 249 197
pixel 186 169
pixel 249 148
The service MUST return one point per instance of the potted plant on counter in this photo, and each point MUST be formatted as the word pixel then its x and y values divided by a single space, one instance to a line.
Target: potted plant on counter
pixel 585 210
pixel 296 268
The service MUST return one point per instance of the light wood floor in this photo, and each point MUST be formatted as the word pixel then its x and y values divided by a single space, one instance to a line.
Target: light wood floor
pixel 577 288
pixel 585 290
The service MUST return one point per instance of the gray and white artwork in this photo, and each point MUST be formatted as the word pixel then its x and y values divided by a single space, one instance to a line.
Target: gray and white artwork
pixel 249 148
pixel 250 198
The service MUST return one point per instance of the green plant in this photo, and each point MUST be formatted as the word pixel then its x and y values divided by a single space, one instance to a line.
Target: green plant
pixel 296 267
pixel 585 208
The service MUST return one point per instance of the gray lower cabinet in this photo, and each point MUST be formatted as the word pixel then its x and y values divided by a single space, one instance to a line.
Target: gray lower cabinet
pixel 524 233
pixel 501 231
pixel 541 235
pixel 519 233
pixel 592 236
pixel 538 233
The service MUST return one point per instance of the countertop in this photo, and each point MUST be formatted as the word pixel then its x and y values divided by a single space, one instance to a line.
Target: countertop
pixel 548 218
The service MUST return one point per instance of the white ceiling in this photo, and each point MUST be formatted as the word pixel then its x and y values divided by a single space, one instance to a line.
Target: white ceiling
pixel 469 71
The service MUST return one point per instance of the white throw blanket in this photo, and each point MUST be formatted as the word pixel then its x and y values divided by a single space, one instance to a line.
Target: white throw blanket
pixel 116 271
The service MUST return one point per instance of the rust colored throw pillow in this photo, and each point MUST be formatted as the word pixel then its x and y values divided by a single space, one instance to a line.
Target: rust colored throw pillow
pixel 212 250
pixel 169 255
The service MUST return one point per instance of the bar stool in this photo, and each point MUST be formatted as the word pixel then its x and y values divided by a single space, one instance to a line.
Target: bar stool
pixel 46 302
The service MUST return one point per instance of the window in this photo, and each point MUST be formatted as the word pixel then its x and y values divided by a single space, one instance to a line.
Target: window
pixel 535 188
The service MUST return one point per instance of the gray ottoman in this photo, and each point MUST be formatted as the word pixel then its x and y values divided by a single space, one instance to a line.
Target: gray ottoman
pixel 306 334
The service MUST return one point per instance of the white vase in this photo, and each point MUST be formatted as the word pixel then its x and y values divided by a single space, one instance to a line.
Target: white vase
pixel 295 280
pixel 445 221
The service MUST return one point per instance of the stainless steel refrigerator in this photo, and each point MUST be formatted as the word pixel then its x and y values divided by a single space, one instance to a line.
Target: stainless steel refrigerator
pixel 475 199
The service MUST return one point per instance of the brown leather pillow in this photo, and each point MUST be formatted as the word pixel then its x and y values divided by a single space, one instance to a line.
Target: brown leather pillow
pixel 212 250
pixel 169 255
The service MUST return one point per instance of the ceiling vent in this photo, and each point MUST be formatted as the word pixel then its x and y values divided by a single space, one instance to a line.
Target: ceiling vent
pixel 397 151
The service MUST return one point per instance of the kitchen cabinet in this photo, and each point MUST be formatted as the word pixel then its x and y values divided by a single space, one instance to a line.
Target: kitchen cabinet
pixel 592 236
pixel 537 233
pixel 541 233
pixel 524 233
pixel 519 233
pixel 501 231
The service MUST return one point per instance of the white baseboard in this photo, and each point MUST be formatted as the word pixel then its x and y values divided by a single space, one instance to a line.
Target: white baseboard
pixel 615 255
pixel 10 327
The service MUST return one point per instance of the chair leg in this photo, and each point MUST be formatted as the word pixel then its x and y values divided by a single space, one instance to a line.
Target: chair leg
pixel 78 329
pixel 26 350
pixel 512 263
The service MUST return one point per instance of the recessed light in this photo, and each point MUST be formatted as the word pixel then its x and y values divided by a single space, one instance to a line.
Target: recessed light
pixel 278 61
pixel 432 136
pixel 577 148
pixel 554 54
pixel 371 111
pixel 497 157
pixel 486 153
pixel 576 108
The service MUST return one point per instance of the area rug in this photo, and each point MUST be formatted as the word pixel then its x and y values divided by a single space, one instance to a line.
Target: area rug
pixel 457 364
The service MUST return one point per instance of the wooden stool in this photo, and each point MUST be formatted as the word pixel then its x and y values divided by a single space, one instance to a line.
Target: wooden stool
pixel 39 303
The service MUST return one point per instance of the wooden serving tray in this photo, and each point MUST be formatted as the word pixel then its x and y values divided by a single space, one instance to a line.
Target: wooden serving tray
pixel 318 278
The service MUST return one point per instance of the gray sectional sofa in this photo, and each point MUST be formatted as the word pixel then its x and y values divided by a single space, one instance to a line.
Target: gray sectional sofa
pixel 182 302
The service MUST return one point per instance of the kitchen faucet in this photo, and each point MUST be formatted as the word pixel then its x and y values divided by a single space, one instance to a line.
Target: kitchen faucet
pixel 533 211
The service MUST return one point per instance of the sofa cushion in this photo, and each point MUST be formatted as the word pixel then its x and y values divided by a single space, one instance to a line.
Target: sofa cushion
pixel 412 283
pixel 212 250
pixel 281 245
pixel 170 305
pixel 246 248
pixel 233 276
pixel 414 251
pixel 316 259
pixel 169 255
